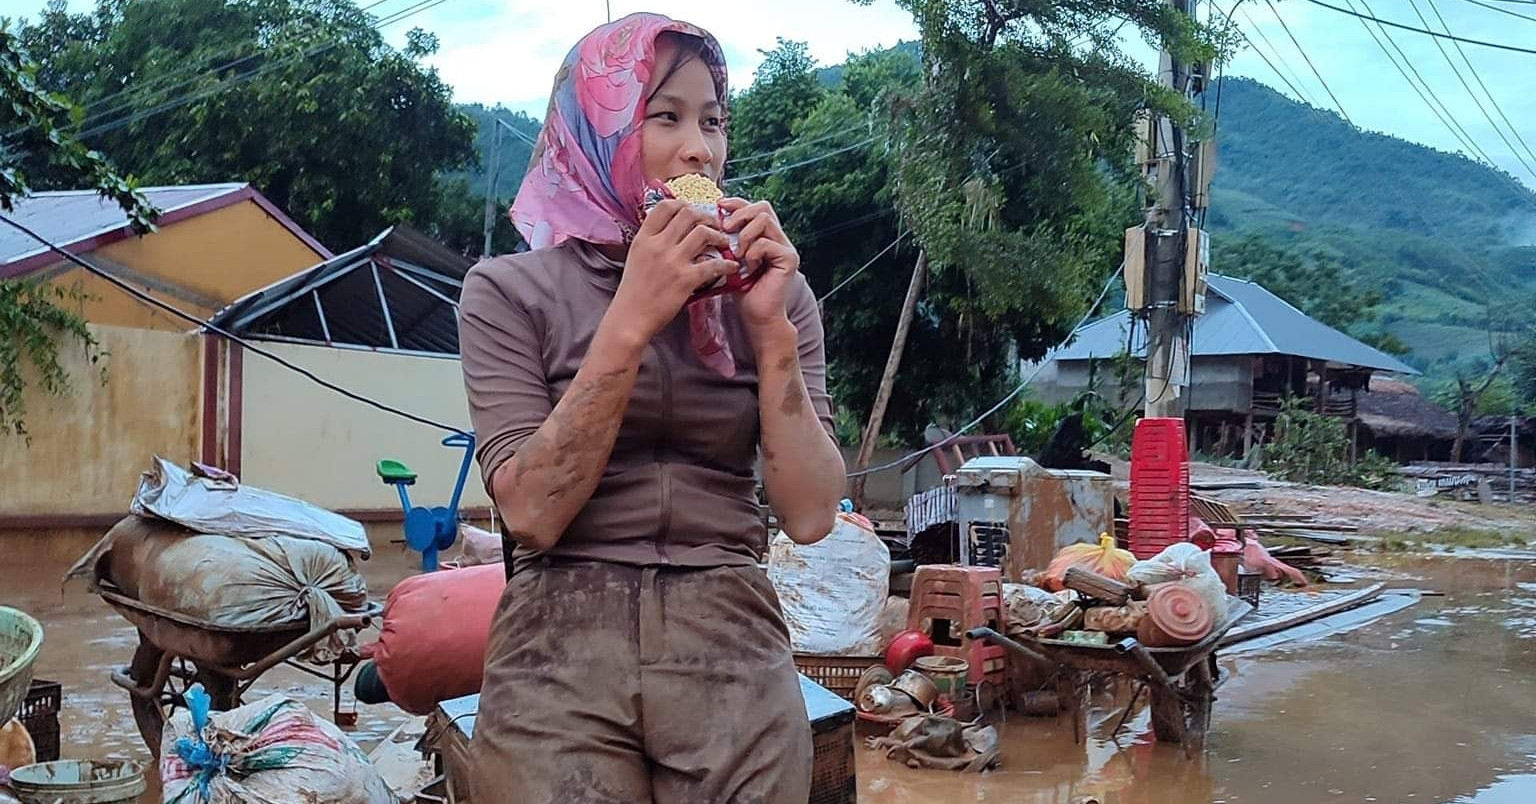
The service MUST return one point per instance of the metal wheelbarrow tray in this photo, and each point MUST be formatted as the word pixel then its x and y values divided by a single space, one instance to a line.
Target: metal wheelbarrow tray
pixel 1181 680
pixel 176 651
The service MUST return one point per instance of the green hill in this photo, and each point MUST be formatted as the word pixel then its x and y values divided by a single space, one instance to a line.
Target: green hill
pixel 1441 236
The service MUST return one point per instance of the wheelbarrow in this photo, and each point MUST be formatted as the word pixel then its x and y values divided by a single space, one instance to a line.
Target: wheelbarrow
pixel 1182 680
pixel 176 651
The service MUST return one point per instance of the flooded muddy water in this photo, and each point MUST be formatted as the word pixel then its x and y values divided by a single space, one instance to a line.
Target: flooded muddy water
pixel 1436 703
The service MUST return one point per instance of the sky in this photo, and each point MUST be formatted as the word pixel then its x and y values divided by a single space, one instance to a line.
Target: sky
pixel 506 52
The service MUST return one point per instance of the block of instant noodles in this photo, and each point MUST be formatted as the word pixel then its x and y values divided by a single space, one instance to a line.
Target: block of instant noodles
pixel 703 194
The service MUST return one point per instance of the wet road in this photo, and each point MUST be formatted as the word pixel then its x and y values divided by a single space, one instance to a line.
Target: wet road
pixel 1436 703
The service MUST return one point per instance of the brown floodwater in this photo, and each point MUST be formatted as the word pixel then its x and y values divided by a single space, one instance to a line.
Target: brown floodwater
pixel 1435 703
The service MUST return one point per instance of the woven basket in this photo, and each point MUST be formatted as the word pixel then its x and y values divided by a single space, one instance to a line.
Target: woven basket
pixel 20 639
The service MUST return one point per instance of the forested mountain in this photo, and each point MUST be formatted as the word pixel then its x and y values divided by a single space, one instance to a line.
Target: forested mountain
pixel 1448 242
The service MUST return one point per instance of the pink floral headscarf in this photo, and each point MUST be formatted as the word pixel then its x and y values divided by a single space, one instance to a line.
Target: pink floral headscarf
pixel 587 178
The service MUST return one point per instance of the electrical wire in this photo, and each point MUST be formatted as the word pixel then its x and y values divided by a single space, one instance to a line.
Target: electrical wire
pixel 862 268
pixel 1296 88
pixel 1308 60
pixel 811 161
pixel 1475 99
pixel 796 144
pixel 1500 10
pixel 1428 94
pixel 94 111
pixel 229 336
pixel 403 14
pixel 1005 400
pixel 1475 75
pixel 1436 34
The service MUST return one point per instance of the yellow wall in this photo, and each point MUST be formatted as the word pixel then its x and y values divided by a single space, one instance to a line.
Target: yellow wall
pixel 309 442
pixel 221 255
pixel 89 446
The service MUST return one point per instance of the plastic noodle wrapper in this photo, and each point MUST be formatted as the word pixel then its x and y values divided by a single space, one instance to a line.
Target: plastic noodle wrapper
pixel 703 194
pixel 1104 558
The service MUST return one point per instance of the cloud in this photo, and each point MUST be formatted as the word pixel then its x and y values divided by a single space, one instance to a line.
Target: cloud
pixel 507 51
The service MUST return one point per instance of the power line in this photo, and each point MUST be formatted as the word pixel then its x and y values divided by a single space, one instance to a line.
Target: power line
pixel 401 15
pixel 862 269
pixel 198 322
pixel 1305 97
pixel 1491 99
pixel 1498 9
pixel 95 112
pixel 1428 94
pixel 1308 60
pixel 793 145
pixel 1475 100
pixel 811 161
pixel 1425 31
pixel 1005 400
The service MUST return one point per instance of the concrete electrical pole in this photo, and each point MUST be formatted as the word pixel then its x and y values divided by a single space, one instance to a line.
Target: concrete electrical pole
pixel 1168 262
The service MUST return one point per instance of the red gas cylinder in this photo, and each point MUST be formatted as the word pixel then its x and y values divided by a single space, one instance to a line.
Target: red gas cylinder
pixel 1159 486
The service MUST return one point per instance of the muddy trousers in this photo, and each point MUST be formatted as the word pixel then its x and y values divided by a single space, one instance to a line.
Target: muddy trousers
pixel 606 683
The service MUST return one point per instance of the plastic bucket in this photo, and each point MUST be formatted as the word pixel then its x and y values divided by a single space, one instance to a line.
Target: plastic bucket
pixel 947 673
pixel 78 781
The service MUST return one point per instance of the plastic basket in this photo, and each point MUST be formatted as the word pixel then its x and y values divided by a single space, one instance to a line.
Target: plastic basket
pixel 839 674
pixel 833 777
pixel 20 639
pixel 40 715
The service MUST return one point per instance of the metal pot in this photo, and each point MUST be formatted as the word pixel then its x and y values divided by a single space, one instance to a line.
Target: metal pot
pixel 919 687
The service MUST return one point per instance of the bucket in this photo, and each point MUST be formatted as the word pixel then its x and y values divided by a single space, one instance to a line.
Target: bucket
pixel 78 781
pixel 947 673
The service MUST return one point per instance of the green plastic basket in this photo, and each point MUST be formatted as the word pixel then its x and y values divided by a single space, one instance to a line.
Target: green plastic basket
pixel 20 639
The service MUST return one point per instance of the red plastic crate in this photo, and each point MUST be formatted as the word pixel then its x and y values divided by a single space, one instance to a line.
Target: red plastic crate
pixel 1159 486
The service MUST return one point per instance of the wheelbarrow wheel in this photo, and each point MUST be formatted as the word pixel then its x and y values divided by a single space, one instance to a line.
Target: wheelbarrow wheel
pixel 150 709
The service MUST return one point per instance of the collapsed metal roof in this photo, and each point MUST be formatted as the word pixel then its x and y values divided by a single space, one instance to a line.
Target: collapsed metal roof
pixel 399 292
pixel 1241 318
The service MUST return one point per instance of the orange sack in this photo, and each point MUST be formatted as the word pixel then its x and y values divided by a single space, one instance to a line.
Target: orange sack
pixel 436 626
pixel 1104 558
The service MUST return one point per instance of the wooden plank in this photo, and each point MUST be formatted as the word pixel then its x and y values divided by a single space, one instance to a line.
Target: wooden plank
pixel 1305 615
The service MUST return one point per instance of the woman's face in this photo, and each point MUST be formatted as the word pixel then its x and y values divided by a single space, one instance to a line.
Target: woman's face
pixel 684 128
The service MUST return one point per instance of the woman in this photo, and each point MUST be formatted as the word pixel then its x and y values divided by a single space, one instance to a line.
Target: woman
pixel 639 653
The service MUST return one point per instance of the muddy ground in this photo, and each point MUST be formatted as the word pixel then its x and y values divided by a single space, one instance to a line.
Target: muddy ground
pixel 1432 704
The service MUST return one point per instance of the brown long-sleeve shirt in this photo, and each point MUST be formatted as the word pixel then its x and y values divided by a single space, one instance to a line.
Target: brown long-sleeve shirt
pixel 679 487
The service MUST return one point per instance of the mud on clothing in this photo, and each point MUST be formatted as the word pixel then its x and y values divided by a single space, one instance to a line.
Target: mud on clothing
pixel 614 684
pixel 644 657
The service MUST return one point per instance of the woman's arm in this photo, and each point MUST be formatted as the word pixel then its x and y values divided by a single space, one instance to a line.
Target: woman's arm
pixel 553 472
pixel 802 468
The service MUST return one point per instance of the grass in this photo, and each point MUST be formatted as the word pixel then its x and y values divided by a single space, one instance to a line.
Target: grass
pixel 1451 538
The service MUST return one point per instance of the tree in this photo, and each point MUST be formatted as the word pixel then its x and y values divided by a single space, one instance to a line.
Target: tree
pixel 32 320
pixel 1523 374
pixel 1006 153
pixel 302 98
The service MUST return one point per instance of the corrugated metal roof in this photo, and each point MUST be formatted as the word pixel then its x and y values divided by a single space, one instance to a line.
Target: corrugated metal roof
pixel 69 216
pixel 337 302
pixel 1241 318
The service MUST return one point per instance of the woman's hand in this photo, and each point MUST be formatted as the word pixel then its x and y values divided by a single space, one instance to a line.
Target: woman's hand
pixel 762 245
pixel 664 267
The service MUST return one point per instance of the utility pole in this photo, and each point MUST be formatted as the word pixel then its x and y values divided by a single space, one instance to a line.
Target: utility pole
pixel 490 190
pixel 1514 455
pixel 1167 299
pixel 888 379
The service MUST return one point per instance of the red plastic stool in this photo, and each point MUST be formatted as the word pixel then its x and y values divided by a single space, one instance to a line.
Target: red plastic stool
pixel 947 602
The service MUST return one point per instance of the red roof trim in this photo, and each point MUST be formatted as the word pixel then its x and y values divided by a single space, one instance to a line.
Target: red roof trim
pixel 246 192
